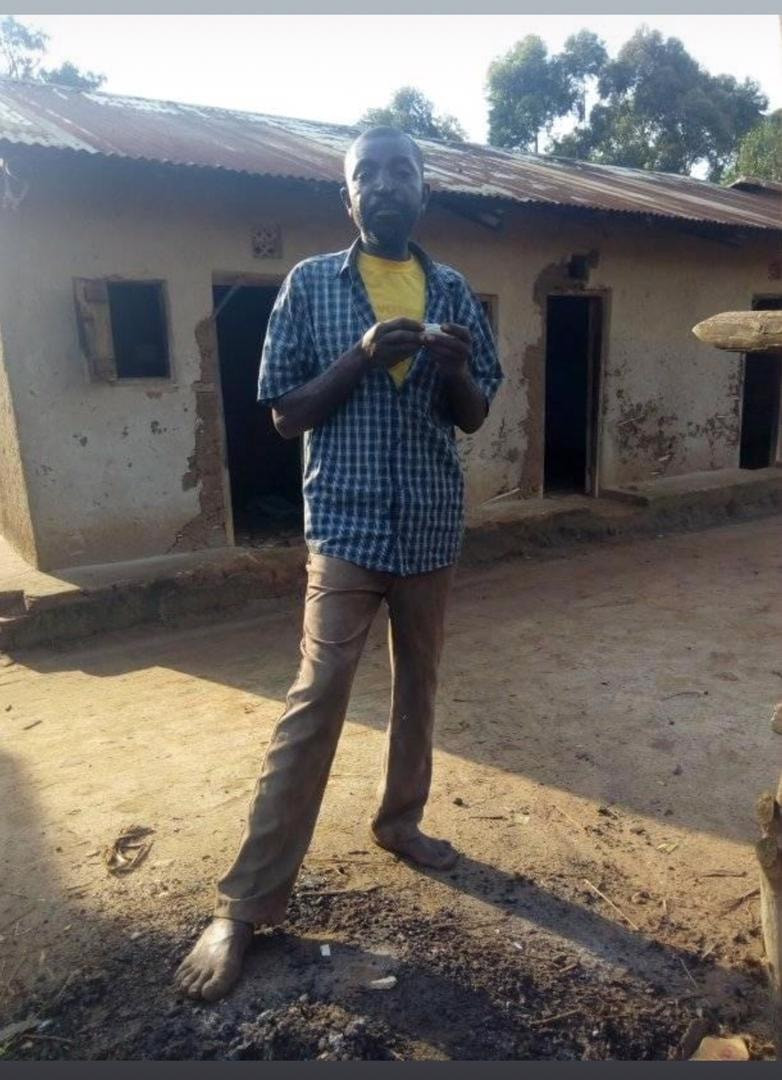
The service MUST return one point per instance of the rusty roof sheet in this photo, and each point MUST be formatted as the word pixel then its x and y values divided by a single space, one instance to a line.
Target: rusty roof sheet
pixel 162 131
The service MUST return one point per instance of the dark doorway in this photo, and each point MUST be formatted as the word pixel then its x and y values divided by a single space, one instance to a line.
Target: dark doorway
pixel 573 344
pixel 760 402
pixel 264 469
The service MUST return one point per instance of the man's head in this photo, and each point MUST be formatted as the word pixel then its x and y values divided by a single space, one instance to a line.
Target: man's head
pixel 385 192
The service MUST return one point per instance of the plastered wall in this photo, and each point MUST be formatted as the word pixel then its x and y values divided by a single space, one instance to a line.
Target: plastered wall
pixel 137 468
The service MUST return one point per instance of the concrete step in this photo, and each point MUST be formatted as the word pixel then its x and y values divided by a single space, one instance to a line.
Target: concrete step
pixel 166 591
pixel 713 487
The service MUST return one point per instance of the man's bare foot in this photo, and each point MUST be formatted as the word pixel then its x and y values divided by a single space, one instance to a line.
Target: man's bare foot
pixel 419 848
pixel 214 963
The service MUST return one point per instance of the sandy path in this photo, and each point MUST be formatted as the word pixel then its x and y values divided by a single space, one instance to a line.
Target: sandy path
pixel 603 721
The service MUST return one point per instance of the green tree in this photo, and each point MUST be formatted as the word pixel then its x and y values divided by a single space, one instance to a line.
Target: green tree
pixel 414 113
pixel 581 61
pixel 658 109
pixel 67 74
pixel 652 107
pixel 528 90
pixel 760 151
pixel 22 50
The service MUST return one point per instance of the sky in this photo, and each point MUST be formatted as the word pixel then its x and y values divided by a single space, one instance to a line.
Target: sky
pixel 334 67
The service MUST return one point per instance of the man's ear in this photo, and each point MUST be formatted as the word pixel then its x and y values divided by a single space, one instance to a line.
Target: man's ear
pixel 345 196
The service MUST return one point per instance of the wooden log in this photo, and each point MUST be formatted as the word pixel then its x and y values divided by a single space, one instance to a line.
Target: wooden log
pixel 742 331
pixel 769 855
pixel 767 811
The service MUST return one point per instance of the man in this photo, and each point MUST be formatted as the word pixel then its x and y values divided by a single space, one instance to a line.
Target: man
pixel 374 355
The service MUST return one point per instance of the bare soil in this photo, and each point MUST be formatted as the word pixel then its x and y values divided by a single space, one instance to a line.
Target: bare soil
pixel 604 730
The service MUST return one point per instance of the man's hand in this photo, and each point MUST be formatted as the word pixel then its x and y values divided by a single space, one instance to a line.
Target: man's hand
pixel 386 343
pixel 451 350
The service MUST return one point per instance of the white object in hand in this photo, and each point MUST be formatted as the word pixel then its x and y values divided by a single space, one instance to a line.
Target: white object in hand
pixel 433 328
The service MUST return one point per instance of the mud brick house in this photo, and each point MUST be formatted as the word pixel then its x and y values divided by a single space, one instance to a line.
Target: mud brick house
pixel 141 247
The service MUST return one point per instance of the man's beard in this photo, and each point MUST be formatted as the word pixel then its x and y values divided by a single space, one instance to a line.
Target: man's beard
pixel 394 229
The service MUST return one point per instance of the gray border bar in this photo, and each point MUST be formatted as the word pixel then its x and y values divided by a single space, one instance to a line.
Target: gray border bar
pixel 398 7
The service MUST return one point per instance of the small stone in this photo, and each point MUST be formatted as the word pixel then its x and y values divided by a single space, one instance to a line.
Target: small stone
pixel 713 1048
pixel 776 719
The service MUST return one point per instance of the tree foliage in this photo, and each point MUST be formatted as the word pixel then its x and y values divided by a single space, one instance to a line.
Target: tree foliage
pixel 653 106
pixel 528 89
pixel 414 113
pixel 760 151
pixel 22 50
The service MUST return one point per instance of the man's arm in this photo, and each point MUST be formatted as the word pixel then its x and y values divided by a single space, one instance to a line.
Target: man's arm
pixel 451 352
pixel 467 402
pixel 308 406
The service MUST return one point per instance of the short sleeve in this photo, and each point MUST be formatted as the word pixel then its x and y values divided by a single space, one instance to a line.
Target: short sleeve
pixel 485 365
pixel 288 356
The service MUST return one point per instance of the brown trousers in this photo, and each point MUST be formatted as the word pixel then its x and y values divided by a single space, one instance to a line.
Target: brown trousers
pixel 342 600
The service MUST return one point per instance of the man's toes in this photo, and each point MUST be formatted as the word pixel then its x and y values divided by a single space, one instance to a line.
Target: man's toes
pixel 196 985
pixel 218 986
pixel 183 971
pixel 182 980
pixel 189 981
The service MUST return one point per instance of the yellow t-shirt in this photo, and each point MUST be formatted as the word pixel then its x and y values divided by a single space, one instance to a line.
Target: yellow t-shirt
pixel 396 290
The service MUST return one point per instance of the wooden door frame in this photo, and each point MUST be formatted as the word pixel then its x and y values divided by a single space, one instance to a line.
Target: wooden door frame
pixel 595 389
pixel 776 436
pixel 221 279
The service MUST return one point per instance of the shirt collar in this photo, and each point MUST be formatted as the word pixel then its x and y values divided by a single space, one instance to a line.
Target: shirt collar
pixel 351 256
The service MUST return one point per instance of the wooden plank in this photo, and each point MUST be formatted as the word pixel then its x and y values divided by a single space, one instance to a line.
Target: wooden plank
pixel 769 855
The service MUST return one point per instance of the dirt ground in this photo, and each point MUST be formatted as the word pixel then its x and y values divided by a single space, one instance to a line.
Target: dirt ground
pixel 604 729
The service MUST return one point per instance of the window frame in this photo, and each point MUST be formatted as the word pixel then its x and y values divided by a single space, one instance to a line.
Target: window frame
pixel 96 335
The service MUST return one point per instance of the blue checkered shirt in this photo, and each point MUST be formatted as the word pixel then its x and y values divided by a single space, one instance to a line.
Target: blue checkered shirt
pixel 382 480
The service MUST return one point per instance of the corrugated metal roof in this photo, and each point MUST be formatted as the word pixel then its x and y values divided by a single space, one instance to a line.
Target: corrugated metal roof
pixel 173 133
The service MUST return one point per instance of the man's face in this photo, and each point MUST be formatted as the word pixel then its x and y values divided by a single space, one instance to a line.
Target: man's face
pixel 385 193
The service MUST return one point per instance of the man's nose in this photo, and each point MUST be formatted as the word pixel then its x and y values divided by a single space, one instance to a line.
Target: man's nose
pixel 385 182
